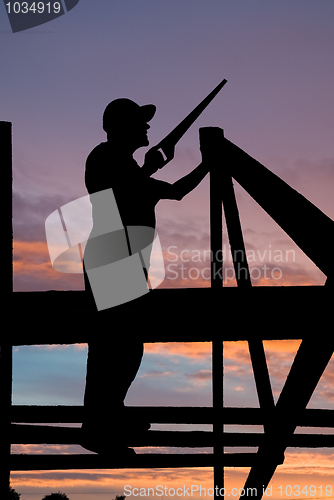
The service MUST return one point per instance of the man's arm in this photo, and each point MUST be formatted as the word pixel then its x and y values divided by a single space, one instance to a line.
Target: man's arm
pixel 187 183
pixel 211 139
pixel 177 190
pixel 210 145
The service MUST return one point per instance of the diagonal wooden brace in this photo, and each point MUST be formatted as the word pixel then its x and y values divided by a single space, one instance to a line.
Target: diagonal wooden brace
pixel 309 364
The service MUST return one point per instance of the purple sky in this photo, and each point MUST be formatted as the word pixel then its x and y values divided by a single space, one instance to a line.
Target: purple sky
pixel 278 106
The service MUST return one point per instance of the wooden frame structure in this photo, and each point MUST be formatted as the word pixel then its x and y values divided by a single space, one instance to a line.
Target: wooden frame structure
pixel 292 302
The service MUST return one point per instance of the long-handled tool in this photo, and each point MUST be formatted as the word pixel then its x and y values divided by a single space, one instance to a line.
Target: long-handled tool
pixel 167 145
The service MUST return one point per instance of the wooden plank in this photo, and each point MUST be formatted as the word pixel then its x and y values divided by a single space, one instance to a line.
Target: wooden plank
pixel 262 380
pixel 288 208
pixel 216 219
pixel 310 361
pixel 291 301
pixel 7 288
pixel 243 279
pixel 215 136
pixel 234 231
pixel 43 434
pixel 218 412
pixel 7 176
pixel 169 415
pixel 5 417
pixel 139 461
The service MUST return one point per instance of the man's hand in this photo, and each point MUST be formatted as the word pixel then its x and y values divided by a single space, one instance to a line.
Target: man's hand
pixel 153 161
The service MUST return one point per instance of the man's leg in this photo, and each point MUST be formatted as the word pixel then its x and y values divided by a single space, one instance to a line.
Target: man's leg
pixel 114 358
pixel 112 365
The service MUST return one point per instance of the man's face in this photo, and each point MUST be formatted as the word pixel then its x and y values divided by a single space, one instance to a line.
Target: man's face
pixel 131 133
pixel 138 133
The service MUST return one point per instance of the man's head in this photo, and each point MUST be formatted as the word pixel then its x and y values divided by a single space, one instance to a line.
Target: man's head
pixel 126 121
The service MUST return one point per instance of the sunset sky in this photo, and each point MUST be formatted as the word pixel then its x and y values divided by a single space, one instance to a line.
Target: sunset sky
pixel 277 105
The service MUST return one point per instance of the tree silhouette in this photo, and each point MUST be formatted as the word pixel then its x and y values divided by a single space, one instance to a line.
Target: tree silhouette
pixel 13 495
pixel 56 496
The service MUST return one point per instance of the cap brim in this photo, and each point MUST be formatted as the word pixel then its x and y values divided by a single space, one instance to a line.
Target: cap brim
pixel 148 111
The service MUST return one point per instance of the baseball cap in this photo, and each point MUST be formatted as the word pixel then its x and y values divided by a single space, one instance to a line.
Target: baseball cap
pixel 123 110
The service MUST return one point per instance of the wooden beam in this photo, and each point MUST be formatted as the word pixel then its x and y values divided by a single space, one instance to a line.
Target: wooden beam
pixel 215 136
pixel 308 366
pixel 5 417
pixel 234 231
pixel 291 301
pixel 218 413
pixel 7 172
pixel 170 415
pixel 139 461
pixel 289 209
pixel 262 380
pixel 7 288
pixel 44 434
pixel 242 275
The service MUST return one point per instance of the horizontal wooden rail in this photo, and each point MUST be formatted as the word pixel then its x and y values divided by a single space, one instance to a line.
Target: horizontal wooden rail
pixel 70 321
pixel 33 434
pixel 168 415
pixel 139 461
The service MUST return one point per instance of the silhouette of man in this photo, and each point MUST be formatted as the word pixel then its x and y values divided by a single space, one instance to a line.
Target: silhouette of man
pixel 114 358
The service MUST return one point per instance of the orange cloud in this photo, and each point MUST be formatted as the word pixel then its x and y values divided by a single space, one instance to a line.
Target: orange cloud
pixel 186 349
pixel 32 262
pixel 300 468
pixel 32 269
pixel 30 256
pixel 232 350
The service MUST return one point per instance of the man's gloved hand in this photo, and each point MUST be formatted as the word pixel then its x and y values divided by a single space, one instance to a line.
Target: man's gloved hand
pixel 153 161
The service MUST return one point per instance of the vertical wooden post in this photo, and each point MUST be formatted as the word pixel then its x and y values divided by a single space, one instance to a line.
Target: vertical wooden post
pixel 218 425
pixel 243 279
pixel 5 402
pixel 216 137
pixel 216 217
pixel 5 349
pixel 6 157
